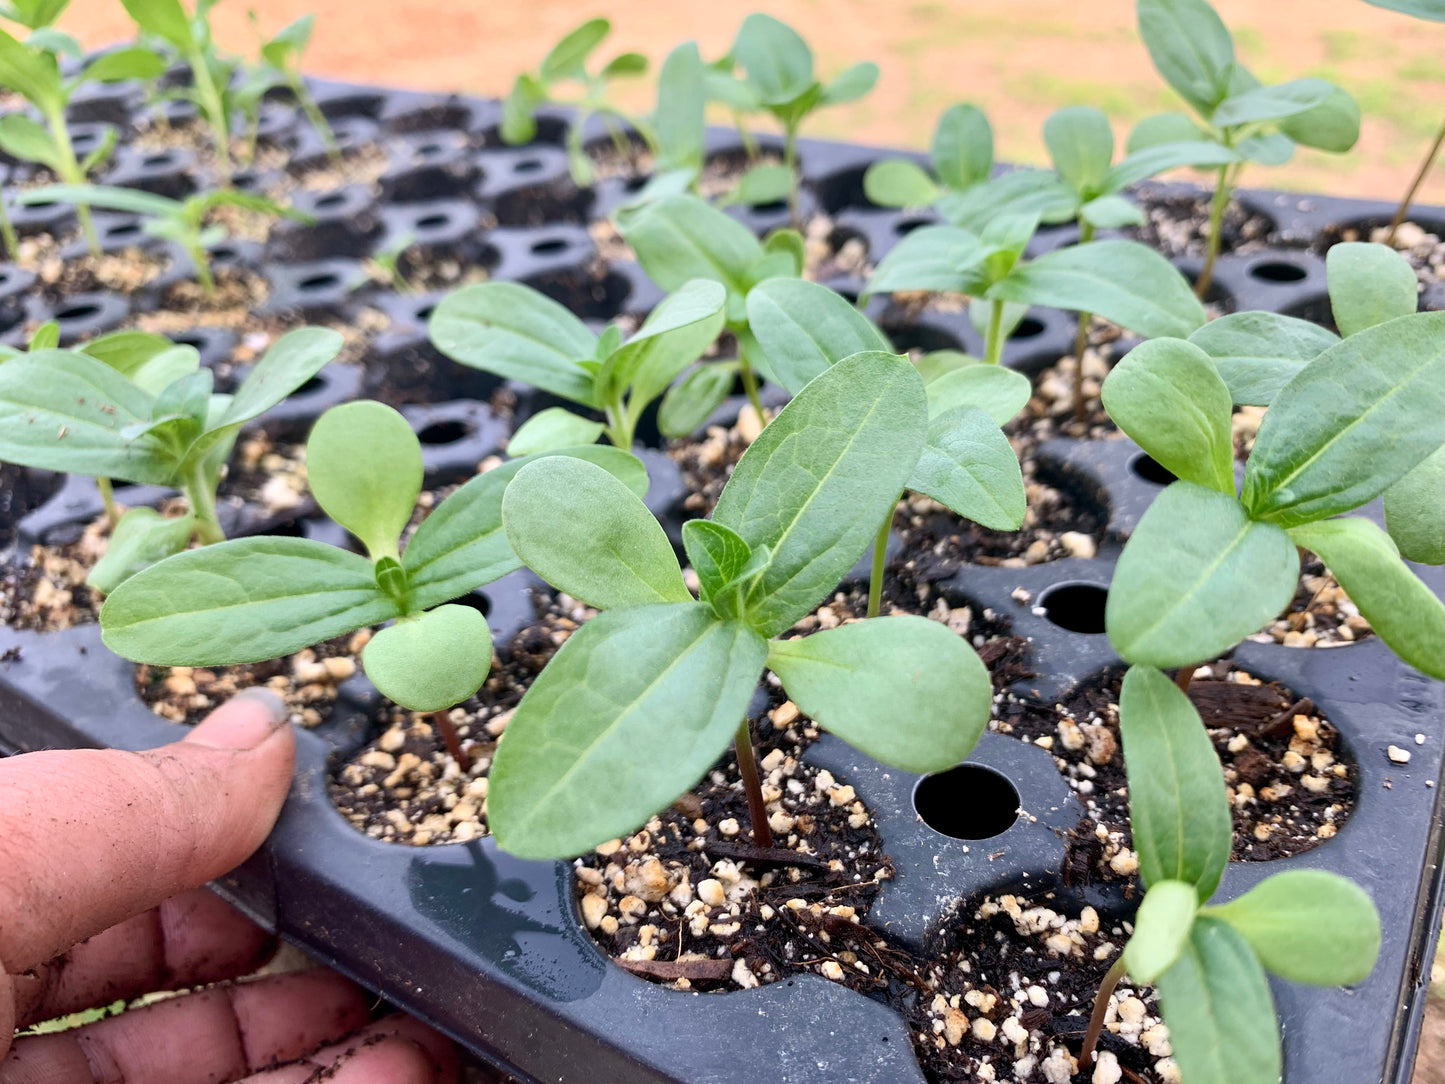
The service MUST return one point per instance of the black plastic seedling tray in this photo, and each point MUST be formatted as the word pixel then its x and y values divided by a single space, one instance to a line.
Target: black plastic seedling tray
pixel 489 948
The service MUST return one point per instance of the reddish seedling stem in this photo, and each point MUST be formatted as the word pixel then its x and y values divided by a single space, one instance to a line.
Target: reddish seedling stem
pixel 442 722
pixel 1101 1008
pixel 1424 172
pixel 1182 677
pixel 752 787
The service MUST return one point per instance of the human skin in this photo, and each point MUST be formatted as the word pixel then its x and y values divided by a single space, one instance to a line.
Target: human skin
pixel 102 859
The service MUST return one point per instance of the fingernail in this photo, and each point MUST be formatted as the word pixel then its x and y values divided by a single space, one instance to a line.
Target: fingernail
pixel 238 724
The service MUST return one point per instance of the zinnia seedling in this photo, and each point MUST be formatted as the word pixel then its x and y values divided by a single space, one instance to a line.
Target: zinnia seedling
pixel 1209 960
pixel 679 238
pixel 642 699
pixel 1194 52
pixel 967 464
pixel 520 334
pixel 1346 427
pixel 33 71
pixel 260 598
pixel 138 408
pixel 567 63
pixel 280 66
pixel 182 222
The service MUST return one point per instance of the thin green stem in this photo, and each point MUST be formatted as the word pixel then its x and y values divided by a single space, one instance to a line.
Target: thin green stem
pixel 1222 192
pixel 1101 1009
pixel 202 259
pixel 993 345
pixel 314 115
pixel 70 173
pixel 1081 339
pixel 202 498
pixel 752 785
pixel 107 497
pixel 750 142
pixel 620 426
pixel 750 385
pixel 880 557
pixel 215 109
pixel 1415 185
pixel 7 231
pixel 790 159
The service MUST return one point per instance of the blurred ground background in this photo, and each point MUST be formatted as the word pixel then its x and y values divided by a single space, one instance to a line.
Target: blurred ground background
pixel 1017 59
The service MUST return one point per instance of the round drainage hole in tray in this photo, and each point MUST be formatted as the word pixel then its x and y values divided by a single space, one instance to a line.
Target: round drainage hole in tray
pixel 443 433
pixel 1145 466
pixel 1277 271
pixel 967 802
pixel 1077 607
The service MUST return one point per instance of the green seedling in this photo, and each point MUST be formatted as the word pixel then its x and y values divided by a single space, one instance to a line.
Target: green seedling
pixel 519 334
pixel 1194 52
pixel 643 698
pixel 386 263
pixel 33 14
pixel 967 464
pixel 1122 281
pixel 211 73
pixel 778 78
pixel 32 70
pixel 252 599
pixel 137 408
pixel 678 238
pixel 1208 960
pixel 182 222
pixel 280 66
pixel 567 65
pixel 1206 567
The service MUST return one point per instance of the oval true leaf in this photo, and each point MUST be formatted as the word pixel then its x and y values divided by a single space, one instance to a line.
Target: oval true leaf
pixel 431 661
pixel 1159 129
pixel 164 18
pixel 553 429
pixel 1161 929
pixel 717 554
pixel 1218 1008
pixel 141 538
pixel 897 182
pixel 1167 396
pixel 999 392
pixel 1197 577
pixel 270 596
pixel 1190 47
pixel 586 533
pixel 679 238
pixel 804 328
pixel 363 464
pixel 962 147
pixel 678 122
pixel 814 486
pixel 1369 284
pixel 674 335
pixel 937 364
pixel 767 183
pixel 1356 420
pixel 905 690
pixel 1272 102
pixel 1406 614
pixel 689 403
pixel 517 333
pixel 462 545
pixel 851 83
pixel 931 258
pixel 1153 151
pixel 65 411
pixel 568 58
pixel 32 73
pixel 969 467
pixel 1122 281
pixel 1415 511
pixel 631 712
pixel 1258 353
pixel 1081 145
pixel 290 361
pixel 1177 802
pixel 775 57
pixel 28 140
pixel 1111 213
pixel 1333 125
pixel 1308 925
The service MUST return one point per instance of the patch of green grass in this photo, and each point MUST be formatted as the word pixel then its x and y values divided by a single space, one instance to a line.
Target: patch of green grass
pixel 1343 45
pixel 1249 42
pixel 1120 102
pixel 1422 69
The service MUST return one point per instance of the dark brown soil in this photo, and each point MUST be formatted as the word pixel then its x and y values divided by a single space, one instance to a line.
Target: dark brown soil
pixel 1178 225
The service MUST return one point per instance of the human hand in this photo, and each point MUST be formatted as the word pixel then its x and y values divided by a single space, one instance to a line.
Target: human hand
pixel 101 861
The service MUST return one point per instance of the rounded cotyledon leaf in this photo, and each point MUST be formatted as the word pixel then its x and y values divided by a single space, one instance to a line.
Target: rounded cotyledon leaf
pixel 431 661
pixel 364 466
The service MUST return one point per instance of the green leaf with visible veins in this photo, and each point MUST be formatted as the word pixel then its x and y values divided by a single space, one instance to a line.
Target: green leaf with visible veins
pixel 363 464
pixel 1406 614
pixel 804 328
pixel 962 147
pixel 430 661
pixel 1192 50
pixel 462 545
pixel 551 429
pixel 1218 1008
pixel 1167 396
pixel 517 333
pixel 1122 281
pixel 905 690
pixel 1197 577
pixel 1369 284
pixel 931 258
pixel 271 596
pixel 969 467
pixel 716 554
pixel 678 238
pixel 141 538
pixel 1308 925
pixel 999 392
pixel 1415 511
pixel 1177 803
pixel 1258 353
pixel 1161 929
pixel 814 486
pixel 674 335
pixel 587 534
pixel 1357 419
pixel 630 713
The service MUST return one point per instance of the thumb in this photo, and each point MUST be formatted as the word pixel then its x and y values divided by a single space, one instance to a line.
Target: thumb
pixel 96 836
